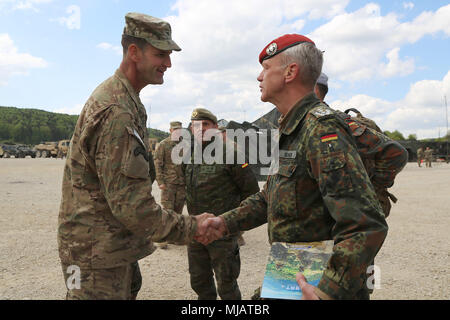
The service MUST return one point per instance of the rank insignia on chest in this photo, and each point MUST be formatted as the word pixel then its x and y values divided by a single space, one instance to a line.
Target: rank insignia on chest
pixel 329 137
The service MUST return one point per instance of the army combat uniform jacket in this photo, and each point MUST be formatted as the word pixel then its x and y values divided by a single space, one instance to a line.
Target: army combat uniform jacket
pixel 217 188
pixel 166 171
pixel 320 192
pixel 107 211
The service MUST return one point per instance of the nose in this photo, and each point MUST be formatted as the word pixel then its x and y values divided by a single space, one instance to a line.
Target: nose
pixel 260 77
pixel 168 62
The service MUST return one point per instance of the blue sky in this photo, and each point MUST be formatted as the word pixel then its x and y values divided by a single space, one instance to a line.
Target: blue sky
pixel 387 58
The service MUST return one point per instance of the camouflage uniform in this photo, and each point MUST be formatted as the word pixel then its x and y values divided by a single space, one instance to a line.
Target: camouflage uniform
pixel 108 217
pixel 216 188
pixel 170 175
pixel 419 156
pixel 320 192
pixel 428 153
pixel 382 157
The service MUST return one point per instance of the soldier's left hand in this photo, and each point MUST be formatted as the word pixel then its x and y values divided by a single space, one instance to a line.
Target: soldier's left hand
pixel 307 289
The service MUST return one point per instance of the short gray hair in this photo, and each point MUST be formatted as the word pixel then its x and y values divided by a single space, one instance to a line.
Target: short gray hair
pixel 309 59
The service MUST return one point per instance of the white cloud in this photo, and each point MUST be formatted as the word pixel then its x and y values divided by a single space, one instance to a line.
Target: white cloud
pixel 396 67
pixel 355 42
pixel 22 4
pixel 14 63
pixel 420 112
pixel 75 109
pixel 73 21
pixel 408 5
pixel 107 46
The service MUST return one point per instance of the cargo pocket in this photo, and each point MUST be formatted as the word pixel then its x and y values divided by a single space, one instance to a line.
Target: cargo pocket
pixel 335 178
pixel 284 192
pixel 135 161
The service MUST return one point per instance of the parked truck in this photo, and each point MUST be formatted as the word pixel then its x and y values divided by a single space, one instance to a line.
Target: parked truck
pixel 52 149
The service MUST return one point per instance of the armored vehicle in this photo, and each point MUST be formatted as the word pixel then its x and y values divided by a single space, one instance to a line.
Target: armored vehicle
pixel 52 149
pixel 17 151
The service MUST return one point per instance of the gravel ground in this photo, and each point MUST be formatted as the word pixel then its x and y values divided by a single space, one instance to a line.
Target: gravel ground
pixel 413 261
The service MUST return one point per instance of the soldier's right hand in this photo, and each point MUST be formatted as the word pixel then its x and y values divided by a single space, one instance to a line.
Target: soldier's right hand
pixel 206 232
pixel 162 187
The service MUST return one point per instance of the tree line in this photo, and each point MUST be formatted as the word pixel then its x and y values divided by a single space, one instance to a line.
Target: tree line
pixel 33 126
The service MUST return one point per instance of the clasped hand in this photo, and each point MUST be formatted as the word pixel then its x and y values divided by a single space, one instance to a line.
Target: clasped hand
pixel 209 228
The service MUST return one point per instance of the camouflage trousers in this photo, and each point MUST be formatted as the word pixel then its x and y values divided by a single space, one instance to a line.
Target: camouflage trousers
pixel 220 258
pixel 173 197
pixel 120 283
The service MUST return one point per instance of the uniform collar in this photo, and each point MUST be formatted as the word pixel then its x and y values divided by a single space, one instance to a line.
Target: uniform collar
pixel 139 106
pixel 290 121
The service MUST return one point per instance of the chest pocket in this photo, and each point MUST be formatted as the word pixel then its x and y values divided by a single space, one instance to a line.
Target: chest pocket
pixel 284 189
pixel 334 178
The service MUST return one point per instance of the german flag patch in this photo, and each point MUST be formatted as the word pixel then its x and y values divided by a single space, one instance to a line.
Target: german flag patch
pixel 329 137
pixel 245 165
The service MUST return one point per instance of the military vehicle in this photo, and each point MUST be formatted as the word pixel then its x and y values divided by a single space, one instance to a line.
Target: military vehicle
pixel 52 149
pixel 17 151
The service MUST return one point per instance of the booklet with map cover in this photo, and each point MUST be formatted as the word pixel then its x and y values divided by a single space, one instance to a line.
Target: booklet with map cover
pixel 286 259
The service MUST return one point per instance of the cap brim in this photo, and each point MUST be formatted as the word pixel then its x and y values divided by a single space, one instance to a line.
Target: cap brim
pixel 165 45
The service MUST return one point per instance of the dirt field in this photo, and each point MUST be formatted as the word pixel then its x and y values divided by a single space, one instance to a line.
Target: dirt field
pixel 414 260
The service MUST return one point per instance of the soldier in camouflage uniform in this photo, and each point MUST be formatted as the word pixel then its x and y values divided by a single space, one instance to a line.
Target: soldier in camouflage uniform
pixel 419 156
pixel 108 217
pixel 215 188
pixel 321 190
pixel 169 175
pixel 428 154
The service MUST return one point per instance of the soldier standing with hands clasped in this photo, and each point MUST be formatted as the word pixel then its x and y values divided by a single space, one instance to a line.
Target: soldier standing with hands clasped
pixel 321 190
pixel 108 217
pixel 169 175
pixel 216 188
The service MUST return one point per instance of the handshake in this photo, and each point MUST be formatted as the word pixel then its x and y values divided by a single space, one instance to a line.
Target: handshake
pixel 209 228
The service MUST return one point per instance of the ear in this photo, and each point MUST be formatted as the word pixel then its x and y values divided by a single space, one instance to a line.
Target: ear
pixel 134 53
pixel 291 72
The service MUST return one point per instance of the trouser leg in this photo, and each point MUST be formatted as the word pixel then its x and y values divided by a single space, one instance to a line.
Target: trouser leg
pixel 226 262
pixel 98 284
pixel 200 270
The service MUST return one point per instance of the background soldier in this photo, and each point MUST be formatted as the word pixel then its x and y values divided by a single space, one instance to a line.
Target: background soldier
pixel 108 217
pixel 321 190
pixel 428 156
pixel 215 188
pixel 169 175
pixel 419 156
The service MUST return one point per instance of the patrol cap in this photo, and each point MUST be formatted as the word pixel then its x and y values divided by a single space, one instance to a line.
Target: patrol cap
pixel 280 44
pixel 323 80
pixel 176 125
pixel 203 114
pixel 157 32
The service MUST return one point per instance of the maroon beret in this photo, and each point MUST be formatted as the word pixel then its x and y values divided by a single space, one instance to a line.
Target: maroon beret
pixel 280 44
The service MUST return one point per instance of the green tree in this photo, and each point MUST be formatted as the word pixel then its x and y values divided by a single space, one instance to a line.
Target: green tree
pixel 395 135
